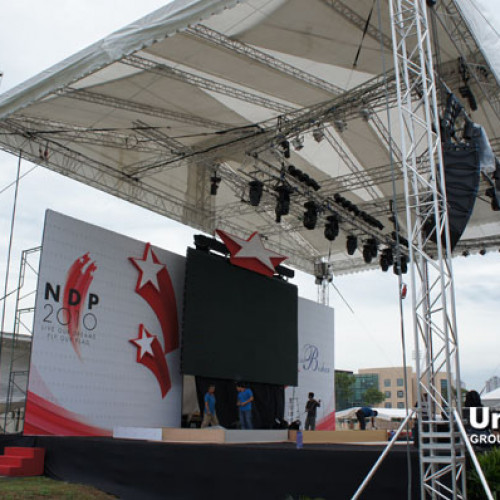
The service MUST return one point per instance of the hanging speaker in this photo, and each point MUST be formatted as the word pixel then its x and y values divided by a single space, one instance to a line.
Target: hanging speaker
pixel 462 175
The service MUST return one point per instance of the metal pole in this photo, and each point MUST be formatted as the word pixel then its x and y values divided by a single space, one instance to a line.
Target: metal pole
pixel 472 454
pixel 382 456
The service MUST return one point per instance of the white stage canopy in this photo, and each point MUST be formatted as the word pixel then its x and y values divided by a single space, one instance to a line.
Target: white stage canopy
pixel 204 90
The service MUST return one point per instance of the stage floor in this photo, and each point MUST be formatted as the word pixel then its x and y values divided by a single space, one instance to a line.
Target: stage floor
pixel 141 470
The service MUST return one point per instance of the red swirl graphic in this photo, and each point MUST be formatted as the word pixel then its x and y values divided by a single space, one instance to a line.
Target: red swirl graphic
pixel 78 279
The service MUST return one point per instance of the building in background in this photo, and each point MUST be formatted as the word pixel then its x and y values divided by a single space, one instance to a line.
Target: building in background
pixel 492 384
pixel 391 382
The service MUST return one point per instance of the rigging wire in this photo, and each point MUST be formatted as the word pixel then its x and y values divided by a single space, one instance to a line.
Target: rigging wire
pixel 394 207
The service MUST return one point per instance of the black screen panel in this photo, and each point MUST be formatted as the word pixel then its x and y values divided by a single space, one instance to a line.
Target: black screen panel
pixel 238 324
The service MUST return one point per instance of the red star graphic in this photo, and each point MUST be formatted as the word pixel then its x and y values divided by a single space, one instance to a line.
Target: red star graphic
pixel 251 253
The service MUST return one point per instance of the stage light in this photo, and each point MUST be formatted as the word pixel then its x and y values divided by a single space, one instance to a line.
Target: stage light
pixel 214 183
pixel 482 251
pixel 384 265
pixel 373 244
pixel 312 183
pixel 367 253
pixel 310 215
pixel 351 244
pixel 255 192
pixel 318 134
pixel 465 253
pixel 365 114
pixel 387 253
pixel 298 143
pixel 293 171
pixel 404 265
pixel 285 147
pixel 466 92
pixel 283 202
pixel 332 227
pixel 340 125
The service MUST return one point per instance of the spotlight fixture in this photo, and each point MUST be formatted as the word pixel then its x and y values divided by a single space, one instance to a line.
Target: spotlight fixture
pixel 214 183
pixel 303 177
pixel 351 244
pixel 318 134
pixel 283 203
pixel 466 93
pixel 482 251
pixel 285 147
pixel 465 253
pixel 332 227
pixel 340 125
pixel 386 259
pixel 311 214
pixel 255 192
pixel 373 244
pixel 367 253
pixel 298 143
pixel 365 114
pixel 404 265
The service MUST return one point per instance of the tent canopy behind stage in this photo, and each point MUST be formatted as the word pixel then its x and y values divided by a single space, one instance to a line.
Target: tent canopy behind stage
pixel 198 95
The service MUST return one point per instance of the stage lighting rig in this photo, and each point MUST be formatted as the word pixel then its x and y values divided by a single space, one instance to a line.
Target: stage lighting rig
pixel 318 134
pixel 255 192
pixel 303 177
pixel 311 214
pixel 285 148
pixel 340 125
pixel 283 202
pixel 373 244
pixel 386 259
pixel 332 227
pixel 298 143
pixel 404 265
pixel 365 114
pixel 351 244
pixel 214 183
pixel 367 253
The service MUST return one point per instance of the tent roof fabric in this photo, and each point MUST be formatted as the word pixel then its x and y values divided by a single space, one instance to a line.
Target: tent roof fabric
pixel 202 90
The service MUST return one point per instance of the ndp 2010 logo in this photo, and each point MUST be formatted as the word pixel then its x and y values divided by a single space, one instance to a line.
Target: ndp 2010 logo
pixel 69 309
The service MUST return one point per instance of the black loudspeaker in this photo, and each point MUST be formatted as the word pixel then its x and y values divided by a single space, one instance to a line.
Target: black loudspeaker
pixel 462 176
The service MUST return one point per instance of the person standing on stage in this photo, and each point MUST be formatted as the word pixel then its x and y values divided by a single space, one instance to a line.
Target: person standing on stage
pixel 245 398
pixel 209 415
pixel 363 413
pixel 311 407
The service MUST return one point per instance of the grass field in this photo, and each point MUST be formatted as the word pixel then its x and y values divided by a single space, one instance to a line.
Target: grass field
pixel 23 488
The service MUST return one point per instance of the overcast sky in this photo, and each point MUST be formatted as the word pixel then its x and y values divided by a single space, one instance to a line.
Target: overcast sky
pixel 34 35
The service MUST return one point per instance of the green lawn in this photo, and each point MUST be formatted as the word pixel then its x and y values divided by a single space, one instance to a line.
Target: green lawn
pixel 22 488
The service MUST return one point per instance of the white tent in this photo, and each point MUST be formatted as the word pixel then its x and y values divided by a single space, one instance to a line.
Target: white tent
pixel 492 399
pixel 203 90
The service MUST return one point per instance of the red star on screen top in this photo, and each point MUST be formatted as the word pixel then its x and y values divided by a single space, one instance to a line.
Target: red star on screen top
pixel 251 253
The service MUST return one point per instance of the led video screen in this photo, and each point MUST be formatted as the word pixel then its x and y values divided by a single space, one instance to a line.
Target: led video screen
pixel 238 324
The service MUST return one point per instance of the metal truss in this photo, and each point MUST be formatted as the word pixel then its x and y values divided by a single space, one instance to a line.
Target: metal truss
pixel 23 330
pixel 214 37
pixel 441 447
pixel 359 22
pixel 204 83
pixel 140 109
pixel 63 131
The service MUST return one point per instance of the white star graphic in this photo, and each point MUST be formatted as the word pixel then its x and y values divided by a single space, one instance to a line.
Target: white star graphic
pixel 253 248
pixel 149 269
pixel 144 343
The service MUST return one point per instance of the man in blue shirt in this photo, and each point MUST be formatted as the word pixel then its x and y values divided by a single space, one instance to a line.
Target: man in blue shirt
pixel 363 413
pixel 209 415
pixel 245 398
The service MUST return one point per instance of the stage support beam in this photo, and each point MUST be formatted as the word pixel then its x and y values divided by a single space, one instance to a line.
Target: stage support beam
pixel 442 468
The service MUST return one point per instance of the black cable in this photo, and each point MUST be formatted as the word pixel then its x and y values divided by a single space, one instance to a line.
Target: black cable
pixel 355 63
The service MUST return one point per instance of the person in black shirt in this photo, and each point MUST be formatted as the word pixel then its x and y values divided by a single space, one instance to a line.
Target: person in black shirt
pixel 311 407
